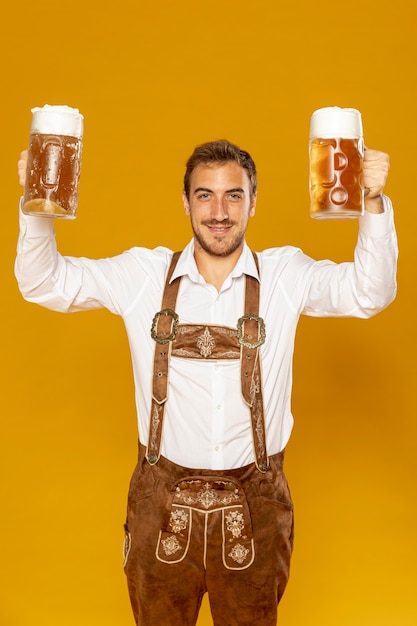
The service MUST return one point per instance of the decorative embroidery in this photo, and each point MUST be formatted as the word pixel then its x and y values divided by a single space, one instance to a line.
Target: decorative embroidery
pixel 207 496
pixel 234 523
pixel 154 427
pixel 239 553
pixel 206 343
pixel 178 521
pixel 193 354
pixel 170 545
pixel 254 389
pixel 260 434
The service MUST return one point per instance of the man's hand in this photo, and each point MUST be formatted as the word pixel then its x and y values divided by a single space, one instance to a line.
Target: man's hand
pixel 21 167
pixel 375 173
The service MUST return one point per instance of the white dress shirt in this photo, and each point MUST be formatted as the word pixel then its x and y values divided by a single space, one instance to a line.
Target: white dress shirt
pixel 207 423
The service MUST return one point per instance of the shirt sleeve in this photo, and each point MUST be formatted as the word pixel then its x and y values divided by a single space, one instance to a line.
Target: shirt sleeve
pixel 67 284
pixel 360 288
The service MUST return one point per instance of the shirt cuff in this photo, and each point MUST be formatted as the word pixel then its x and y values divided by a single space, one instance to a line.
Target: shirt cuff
pixel 35 226
pixel 378 224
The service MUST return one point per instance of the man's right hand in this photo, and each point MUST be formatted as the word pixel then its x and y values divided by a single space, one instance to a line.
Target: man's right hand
pixel 21 167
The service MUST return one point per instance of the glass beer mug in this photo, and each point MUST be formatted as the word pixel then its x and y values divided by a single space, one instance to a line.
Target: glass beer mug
pixel 54 162
pixel 336 162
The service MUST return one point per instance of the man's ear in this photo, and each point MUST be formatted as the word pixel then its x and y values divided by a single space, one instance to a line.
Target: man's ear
pixel 252 205
pixel 185 203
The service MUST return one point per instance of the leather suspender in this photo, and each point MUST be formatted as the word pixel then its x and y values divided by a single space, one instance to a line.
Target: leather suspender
pixel 212 342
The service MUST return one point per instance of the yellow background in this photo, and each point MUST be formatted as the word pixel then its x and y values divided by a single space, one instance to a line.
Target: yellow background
pixel 153 79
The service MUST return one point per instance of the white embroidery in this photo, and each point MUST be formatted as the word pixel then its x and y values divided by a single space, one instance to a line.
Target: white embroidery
pixel 155 425
pixel 170 545
pixel 207 496
pixel 206 343
pixel 178 521
pixel 239 553
pixel 234 523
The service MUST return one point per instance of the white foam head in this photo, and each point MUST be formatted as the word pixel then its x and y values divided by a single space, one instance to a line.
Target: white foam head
pixel 336 122
pixel 57 120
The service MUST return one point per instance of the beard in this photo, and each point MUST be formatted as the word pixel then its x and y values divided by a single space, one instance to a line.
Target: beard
pixel 218 246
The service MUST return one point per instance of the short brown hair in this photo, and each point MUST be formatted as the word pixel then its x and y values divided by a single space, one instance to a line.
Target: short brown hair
pixel 220 151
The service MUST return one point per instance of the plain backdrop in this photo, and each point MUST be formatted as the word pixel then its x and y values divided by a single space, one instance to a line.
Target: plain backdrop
pixel 153 79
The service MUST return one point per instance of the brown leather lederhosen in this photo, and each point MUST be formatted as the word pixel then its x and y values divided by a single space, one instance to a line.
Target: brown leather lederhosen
pixel 206 341
pixel 189 531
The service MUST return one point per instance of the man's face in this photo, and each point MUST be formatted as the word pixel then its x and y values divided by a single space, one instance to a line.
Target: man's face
pixel 219 205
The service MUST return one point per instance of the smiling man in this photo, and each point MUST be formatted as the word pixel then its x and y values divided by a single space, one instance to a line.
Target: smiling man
pixel 211 331
pixel 219 198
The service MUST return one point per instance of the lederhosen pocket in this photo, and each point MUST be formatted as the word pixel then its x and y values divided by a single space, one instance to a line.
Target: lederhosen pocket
pixel 207 495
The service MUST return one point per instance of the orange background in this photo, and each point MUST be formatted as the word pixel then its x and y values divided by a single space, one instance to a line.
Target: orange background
pixel 153 79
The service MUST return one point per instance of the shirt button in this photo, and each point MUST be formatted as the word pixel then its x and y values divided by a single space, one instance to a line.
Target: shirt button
pixel 216 448
pixel 219 406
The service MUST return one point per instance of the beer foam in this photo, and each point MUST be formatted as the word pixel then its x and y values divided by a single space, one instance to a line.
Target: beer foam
pixel 336 122
pixel 57 120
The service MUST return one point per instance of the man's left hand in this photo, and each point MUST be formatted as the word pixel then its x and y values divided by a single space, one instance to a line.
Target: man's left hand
pixel 375 172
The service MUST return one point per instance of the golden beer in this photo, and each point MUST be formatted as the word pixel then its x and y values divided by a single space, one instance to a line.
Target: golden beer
pixel 336 164
pixel 54 163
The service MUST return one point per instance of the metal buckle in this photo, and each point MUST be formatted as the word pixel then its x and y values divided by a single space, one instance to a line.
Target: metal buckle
pixel 264 467
pixel 261 332
pixel 175 323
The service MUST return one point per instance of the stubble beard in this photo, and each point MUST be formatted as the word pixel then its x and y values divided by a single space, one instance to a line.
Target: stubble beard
pixel 233 245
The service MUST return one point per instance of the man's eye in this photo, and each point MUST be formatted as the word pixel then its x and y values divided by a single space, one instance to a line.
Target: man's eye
pixel 203 196
pixel 235 196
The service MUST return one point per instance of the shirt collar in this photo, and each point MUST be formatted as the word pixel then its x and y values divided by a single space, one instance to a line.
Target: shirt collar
pixel 187 266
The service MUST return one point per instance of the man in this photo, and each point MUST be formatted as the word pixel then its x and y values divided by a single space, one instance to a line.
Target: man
pixel 212 333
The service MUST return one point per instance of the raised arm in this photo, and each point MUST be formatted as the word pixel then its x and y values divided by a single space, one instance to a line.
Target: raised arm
pixel 64 283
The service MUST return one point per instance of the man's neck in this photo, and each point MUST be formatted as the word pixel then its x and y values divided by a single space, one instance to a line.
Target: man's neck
pixel 215 269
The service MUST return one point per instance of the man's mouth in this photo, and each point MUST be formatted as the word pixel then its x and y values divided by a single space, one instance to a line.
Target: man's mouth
pixel 218 229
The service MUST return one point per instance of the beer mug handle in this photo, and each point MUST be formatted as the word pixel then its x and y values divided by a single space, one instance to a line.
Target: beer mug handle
pixel 51 164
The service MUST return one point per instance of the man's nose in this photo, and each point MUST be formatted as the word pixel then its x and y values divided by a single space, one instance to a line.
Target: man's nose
pixel 220 210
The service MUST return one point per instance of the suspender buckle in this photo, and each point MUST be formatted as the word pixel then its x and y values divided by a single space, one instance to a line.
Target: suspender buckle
pixel 241 334
pixel 174 326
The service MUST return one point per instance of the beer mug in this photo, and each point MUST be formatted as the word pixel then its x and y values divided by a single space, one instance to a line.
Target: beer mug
pixel 336 162
pixel 54 162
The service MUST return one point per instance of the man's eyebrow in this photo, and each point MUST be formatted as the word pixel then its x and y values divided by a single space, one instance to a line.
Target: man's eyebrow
pixel 206 189
pixel 202 189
